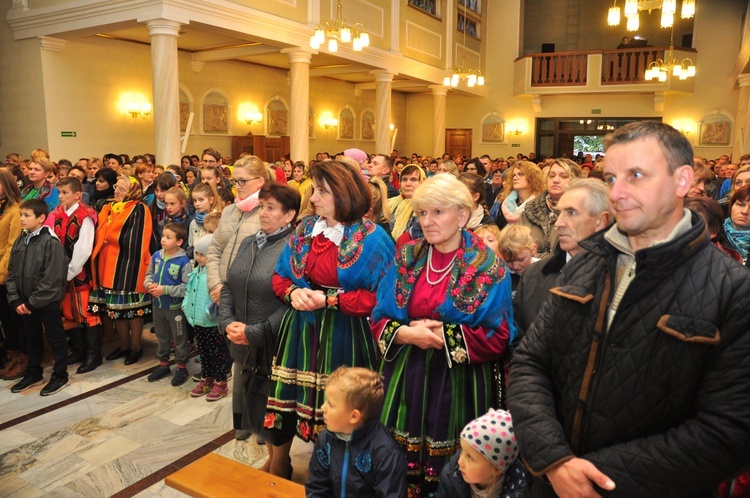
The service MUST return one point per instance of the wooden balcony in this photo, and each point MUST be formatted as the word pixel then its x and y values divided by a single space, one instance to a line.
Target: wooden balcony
pixel 596 71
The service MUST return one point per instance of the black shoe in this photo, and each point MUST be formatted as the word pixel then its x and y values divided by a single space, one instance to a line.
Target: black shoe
pixel 241 435
pixel 77 348
pixel 93 336
pixel 133 357
pixel 117 354
pixel 91 364
pixel 54 385
pixel 26 383
pixel 159 373
pixel 180 376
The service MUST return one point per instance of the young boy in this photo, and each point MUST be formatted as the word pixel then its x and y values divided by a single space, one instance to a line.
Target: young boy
pixel 74 223
pixel 487 463
pixel 166 280
pixel 35 286
pixel 355 451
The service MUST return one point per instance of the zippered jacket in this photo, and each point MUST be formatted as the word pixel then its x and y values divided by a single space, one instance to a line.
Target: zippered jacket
pixel 658 401
pixel 173 274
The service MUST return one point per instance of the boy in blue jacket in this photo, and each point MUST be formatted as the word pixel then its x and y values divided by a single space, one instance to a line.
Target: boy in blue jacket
pixel 166 280
pixel 355 455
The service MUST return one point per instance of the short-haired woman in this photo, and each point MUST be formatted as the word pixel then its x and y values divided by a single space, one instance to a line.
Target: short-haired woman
pixel 442 323
pixel 737 225
pixel 329 273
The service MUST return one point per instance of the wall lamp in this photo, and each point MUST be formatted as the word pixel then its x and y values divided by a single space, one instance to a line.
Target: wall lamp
pixel 139 110
pixel 514 129
pixel 253 118
pixel 329 122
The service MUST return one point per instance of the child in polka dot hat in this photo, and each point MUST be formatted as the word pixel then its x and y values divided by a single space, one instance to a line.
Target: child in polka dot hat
pixel 487 464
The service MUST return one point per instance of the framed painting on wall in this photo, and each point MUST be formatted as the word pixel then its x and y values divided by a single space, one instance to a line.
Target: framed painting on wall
pixel 715 129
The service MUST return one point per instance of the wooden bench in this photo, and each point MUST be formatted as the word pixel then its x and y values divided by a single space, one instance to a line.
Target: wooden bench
pixel 214 476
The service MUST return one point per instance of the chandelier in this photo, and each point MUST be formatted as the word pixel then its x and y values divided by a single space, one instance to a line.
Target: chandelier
pixel 460 73
pixel 660 69
pixel 633 8
pixel 337 31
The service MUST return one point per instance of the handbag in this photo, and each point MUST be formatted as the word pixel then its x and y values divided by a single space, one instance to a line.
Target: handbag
pixel 258 383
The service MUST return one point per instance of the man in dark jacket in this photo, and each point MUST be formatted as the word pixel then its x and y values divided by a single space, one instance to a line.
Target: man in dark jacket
pixel 634 378
pixel 583 209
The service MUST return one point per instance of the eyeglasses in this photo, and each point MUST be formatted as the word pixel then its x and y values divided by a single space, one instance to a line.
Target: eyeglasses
pixel 120 189
pixel 241 183
pixel 211 161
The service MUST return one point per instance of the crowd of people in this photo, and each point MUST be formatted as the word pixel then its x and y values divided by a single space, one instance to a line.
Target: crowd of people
pixel 425 321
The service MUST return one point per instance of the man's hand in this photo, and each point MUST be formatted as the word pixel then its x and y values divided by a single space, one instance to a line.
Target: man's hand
pixel 22 310
pixel 574 479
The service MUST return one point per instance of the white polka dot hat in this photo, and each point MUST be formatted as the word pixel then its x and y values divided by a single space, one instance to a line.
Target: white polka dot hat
pixel 492 435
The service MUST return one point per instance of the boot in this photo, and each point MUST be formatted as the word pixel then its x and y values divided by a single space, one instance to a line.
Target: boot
pixel 9 363
pixel 77 349
pixel 19 369
pixel 93 359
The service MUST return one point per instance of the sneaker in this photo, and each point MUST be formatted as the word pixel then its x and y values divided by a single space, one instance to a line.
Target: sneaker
pixel 159 373
pixel 26 383
pixel 198 377
pixel 54 385
pixel 218 391
pixel 180 376
pixel 203 388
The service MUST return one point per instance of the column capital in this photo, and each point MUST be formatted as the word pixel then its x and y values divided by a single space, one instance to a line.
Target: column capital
pixel 52 44
pixel 439 89
pixel 743 79
pixel 163 27
pixel 382 75
pixel 297 54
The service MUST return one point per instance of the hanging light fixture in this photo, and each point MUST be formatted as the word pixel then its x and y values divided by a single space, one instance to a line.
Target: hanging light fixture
pixel 660 69
pixel 633 8
pixel 333 32
pixel 473 77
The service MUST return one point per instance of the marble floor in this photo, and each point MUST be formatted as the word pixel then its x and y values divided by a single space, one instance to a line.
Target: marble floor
pixel 113 433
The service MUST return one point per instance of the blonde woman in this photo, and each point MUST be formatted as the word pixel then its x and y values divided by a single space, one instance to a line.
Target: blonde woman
pixel 523 182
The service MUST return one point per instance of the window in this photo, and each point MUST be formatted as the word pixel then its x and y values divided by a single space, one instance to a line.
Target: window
pixel 469 17
pixel 470 4
pixel 469 24
pixel 428 6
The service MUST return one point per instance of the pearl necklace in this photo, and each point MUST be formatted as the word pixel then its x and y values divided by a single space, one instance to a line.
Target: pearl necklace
pixel 444 272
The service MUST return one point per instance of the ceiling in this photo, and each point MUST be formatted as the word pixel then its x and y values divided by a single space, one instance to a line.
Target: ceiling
pixel 209 43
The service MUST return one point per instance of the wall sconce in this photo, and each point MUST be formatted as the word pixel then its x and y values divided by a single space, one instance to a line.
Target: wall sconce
pixel 515 129
pixel 141 110
pixel 392 127
pixel 253 118
pixel 329 122
pixel 685 129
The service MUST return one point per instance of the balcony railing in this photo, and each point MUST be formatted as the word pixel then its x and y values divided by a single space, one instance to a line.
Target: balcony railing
pixel 594 71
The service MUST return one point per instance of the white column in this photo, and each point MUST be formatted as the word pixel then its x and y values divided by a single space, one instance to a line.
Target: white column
pixel 299 119
pixel 438 119
pixel 383 81
pixel 742 125
pixel 163 34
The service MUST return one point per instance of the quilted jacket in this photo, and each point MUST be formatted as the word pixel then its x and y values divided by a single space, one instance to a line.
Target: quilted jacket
pixel 536 217
pixel 659 401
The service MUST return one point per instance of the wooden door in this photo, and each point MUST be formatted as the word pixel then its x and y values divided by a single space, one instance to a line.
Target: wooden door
pixel 458 141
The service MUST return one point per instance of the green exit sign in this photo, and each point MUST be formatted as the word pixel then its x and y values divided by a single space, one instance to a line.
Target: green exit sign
pixel 596 111
pixel 67 134
pixel 515 145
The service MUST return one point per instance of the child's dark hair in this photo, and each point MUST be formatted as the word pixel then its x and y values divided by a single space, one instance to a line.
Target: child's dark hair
pixel 178 229
pixel 36 206
pixel 362 389
pixel 165 181
pixel 72 182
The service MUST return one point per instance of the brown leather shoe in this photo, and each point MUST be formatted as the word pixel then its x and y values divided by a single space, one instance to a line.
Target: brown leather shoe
pixel 19 369
pixel 9 363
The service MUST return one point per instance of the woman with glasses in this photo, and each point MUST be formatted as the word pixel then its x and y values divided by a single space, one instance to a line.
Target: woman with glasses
pixel 238 220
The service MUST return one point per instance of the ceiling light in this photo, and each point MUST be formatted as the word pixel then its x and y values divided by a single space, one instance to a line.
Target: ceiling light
pixel 338 31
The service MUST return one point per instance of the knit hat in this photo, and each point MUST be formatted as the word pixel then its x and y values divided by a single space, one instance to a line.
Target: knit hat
pixel 356 154
pixel 202 245
pixel 492 436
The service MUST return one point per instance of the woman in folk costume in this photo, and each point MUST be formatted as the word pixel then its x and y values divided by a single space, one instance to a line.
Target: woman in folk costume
pixel 329 274
pixel 119 262
pixel 442 322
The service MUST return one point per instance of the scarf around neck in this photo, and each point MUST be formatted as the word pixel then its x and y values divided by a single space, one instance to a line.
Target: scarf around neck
pixel 740 239
pixel 248 203
pixel 511 209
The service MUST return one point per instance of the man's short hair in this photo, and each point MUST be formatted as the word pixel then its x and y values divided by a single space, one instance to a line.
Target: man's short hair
pixel 388 160
pixel 36 206
pixel 178 229
pixel 72 182
pixel 597 201
pixel 673 144
pixel 211 152
pixel 362 389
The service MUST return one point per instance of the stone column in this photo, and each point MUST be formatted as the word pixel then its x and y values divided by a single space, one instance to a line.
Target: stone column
pixel 438 119
pixel 165 80
pixel 299 119
pixel 383 81
pixel 742 125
